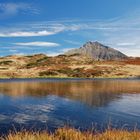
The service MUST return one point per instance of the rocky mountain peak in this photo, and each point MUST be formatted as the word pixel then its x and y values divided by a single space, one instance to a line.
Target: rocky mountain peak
pixel 97 51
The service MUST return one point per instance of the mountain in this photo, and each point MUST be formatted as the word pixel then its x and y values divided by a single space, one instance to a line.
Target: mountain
pixel 97 51
pixel 41 65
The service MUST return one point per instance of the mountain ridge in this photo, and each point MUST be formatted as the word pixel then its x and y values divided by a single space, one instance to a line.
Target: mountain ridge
pixel 97 51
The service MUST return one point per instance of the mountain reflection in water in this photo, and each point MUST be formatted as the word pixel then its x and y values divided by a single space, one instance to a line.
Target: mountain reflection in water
pixel 93 93
pixel 37 104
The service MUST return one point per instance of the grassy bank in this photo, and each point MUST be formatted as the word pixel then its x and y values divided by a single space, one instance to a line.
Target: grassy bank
pixel 72 134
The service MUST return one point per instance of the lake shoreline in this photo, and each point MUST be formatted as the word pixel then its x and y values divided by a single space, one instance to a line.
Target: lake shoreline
pixel 70 78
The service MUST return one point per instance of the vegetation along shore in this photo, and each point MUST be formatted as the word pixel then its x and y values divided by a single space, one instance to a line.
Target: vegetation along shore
pixel 72 134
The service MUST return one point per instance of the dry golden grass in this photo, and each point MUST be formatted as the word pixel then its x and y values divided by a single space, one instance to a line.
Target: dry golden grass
pixel 72 134
pixel 63 66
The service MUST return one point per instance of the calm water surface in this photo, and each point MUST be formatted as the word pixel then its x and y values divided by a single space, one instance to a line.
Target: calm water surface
pixel 52 103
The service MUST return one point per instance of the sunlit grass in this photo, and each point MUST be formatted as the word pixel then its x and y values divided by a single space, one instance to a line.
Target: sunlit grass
pixel 72 134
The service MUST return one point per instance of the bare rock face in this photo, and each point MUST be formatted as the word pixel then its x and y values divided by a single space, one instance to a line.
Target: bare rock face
pixel 97 51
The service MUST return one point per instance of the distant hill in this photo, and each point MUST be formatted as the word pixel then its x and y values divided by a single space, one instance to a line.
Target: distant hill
pixel 97 51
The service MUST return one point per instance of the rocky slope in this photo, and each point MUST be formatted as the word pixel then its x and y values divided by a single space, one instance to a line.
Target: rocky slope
pixel 97 51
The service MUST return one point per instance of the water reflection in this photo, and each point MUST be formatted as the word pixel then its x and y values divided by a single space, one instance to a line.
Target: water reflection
pixel 54 103
pixel 93 93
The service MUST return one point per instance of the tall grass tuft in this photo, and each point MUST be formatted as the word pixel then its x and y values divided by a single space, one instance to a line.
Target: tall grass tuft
pixel 72 134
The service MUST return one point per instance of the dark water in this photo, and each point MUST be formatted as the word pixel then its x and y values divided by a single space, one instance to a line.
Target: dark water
pixel 49 104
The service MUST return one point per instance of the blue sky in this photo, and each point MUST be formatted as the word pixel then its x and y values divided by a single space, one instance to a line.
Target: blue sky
pixel 55 26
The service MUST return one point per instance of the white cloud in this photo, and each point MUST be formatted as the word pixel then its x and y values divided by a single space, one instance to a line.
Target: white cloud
pixel 45 29
pixel 41 44
pixel 73 42
pixel 120 33
pixel 66 49
pixel 28 34
pixel 126 44
pixel 52 53
pixel 12 9
pixel 58 52
pixel 13 50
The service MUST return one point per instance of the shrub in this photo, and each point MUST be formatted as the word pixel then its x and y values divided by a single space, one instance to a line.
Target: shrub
pixel 6 62
pixel 47 73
